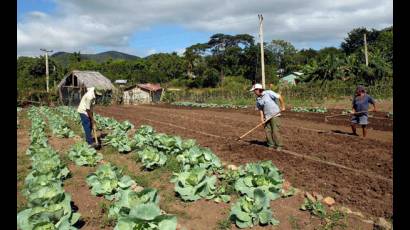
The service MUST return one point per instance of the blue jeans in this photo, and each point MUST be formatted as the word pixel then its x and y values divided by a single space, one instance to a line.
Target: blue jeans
pixel 85 121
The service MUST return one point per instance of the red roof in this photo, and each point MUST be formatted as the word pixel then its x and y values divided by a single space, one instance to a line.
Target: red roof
pixel 150 86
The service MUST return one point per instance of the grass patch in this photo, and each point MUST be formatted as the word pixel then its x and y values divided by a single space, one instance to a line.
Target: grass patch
pixel 334 220
pixel 223 224
pixel 152 178
pixel 108 150
pixel 105 221
pixel 294 223
pixel 172 164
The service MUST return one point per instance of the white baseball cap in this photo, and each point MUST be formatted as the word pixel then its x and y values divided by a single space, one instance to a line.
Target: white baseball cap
pixel 256 86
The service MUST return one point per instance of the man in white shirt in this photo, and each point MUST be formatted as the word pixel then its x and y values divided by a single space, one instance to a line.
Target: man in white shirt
pixel 86 112
pixel 268 105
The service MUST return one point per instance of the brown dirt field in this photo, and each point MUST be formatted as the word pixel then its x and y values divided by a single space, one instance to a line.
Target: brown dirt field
pixel 359 173
pixel 377 120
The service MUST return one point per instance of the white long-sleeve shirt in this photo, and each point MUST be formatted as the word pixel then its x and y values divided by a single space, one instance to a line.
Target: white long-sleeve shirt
pixel 86 101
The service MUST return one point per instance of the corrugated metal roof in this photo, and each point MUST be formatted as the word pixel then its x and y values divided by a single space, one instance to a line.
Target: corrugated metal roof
pixel 150 86
pixel 90 79
pixel 121 81
pixel 147 86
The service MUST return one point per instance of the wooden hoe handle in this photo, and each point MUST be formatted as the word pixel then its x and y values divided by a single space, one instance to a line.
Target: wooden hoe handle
pixel 254 128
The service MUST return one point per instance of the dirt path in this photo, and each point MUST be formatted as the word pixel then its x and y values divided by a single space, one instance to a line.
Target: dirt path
pixel 23 161
pixel 216 130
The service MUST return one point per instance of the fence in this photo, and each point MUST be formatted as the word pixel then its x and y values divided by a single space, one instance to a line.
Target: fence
pixel 302 92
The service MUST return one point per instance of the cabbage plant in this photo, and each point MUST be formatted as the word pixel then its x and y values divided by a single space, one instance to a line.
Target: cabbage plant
pixel 198 157
pixel 126 199
pixel 264 176
pixel 252 210
pixel 151 158
pixel 82 154
pixel 194 184
pixel 107 180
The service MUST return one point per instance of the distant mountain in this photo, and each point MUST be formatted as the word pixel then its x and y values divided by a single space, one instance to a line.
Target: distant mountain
pixel 64 57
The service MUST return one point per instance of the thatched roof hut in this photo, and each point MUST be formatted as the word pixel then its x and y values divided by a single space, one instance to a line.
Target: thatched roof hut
pixel 74 85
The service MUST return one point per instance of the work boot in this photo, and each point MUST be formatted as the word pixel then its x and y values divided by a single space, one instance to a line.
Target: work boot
pixel 279 149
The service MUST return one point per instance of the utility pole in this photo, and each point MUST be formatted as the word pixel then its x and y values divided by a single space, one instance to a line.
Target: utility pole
pixel 47 51
pixel 262 55
pixel 365 50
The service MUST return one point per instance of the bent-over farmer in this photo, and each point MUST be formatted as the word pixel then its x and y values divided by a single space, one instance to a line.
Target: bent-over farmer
pixel 360 106
pixel 86 112
pixel 268 106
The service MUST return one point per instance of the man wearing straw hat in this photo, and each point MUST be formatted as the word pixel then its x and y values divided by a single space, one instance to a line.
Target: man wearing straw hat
pixel 85 109
pixel 268 106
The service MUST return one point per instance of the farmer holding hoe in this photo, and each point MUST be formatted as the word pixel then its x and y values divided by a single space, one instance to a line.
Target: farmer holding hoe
pixel 360 105
pixel 268 106
pixel 87 114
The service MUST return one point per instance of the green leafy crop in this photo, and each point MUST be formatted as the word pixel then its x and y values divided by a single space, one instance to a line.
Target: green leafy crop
pixel 194 184
pixel 82 154
pixel 252 210
pixel 151 158
pixel 264 176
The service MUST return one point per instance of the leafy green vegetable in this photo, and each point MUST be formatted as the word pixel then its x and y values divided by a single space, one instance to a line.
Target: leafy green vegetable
pixel 264 176
pixel 82 154
pixel 54 216
pixel 199 157
pixel 194 184
pixel 126 199
pixel 146 216
pixel 205 105
pixel 167 144
pixel 315 207
pixel 119 140
pixel 252 210
pixel 58 125
pixel 151 158
pixel 309 109
pixel 107 180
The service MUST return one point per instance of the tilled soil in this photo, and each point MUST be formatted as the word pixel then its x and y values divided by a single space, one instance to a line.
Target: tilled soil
pixel 355 171
pixel 377 120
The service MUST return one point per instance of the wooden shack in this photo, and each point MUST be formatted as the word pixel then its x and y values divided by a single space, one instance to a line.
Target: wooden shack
pixel 74 85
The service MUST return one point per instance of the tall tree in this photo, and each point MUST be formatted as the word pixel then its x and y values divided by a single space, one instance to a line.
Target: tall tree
pixel 355 39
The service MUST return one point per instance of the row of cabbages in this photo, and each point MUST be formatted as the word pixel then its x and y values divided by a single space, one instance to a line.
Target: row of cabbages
pixel 309 109
pixel 48 204
pixel 207 105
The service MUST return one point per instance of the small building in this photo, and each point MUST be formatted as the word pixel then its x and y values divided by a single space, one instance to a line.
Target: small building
pixel 120 82
pixel 142 94
pixel 74 85
pixel 292 78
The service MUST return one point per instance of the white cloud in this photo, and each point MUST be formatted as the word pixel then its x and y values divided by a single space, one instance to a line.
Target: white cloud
pixel 79 24
pixel 151 51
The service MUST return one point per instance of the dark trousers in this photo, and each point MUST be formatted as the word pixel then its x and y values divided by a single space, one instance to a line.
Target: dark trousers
pixel 272 133
pixel 85 121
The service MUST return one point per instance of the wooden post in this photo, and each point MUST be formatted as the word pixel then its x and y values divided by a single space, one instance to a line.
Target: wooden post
pixel 262 54
pixel 47 78
pixel 365 50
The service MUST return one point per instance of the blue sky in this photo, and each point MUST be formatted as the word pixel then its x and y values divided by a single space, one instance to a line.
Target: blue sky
pixel 145 27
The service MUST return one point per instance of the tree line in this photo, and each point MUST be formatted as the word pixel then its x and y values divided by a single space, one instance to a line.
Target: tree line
pixel 207 64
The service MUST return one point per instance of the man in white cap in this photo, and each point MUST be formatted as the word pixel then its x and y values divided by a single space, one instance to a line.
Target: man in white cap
pixel 268 106
pixel 86 112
